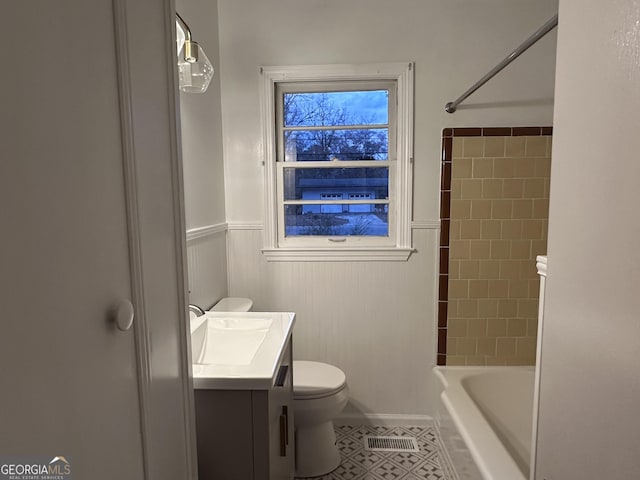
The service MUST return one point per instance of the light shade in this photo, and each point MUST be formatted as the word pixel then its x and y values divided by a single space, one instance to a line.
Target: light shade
pixel 194 68
pixel 194 77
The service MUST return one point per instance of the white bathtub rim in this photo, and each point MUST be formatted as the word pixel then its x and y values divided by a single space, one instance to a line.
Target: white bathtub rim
pixel 489 451
pixel 491 457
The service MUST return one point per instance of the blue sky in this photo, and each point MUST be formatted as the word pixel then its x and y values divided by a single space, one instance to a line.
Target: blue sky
pixel 369 105
pixel 364 104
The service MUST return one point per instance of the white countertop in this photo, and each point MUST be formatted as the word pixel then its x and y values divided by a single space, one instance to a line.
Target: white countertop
pixel 255 374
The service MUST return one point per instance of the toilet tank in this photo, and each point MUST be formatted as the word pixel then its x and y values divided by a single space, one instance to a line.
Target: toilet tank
pixel 233 304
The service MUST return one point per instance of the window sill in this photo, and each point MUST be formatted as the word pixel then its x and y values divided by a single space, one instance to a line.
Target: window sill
pixel 388 254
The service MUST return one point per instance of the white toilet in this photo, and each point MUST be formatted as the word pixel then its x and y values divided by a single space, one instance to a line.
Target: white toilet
pixel 233 304
pixel 319 394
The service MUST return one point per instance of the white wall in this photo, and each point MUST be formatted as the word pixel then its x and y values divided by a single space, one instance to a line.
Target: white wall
pixel 201 128
pixel 590 388
pixel 377 326
pixel 201 125
pixel 207 266
pixel 453 43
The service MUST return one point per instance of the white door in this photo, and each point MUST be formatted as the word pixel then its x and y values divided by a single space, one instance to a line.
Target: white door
pixel 76 242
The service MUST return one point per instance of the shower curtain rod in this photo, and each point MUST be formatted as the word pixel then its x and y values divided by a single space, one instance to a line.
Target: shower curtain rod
pixel 541 32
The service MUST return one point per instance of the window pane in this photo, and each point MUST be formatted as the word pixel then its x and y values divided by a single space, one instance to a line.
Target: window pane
pixel 353 144
pixel 337 220
pixel 369 183
pixel 369 107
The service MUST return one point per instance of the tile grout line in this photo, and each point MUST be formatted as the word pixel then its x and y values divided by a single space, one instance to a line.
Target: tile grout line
pixel 357 463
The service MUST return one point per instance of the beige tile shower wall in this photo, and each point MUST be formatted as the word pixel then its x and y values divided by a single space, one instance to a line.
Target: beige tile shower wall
pixel 499 215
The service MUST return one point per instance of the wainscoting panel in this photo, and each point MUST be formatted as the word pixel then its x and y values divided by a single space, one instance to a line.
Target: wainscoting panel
pixel 375 320
pixel 207 265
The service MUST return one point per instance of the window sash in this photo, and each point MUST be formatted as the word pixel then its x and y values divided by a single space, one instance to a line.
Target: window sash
pixel 329 240
pixel 335 87
pixel 364 126
pixel 283 88
pixel 283 162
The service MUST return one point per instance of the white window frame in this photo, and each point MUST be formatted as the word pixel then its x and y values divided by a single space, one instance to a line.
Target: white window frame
pixel 400 181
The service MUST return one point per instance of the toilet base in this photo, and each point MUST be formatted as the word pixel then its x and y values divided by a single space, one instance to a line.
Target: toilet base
pixel 316 450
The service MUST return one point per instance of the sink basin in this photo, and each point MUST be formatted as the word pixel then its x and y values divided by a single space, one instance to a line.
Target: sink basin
pixel 237 350
pixel 239 324
pixel 230 347
pixel 228 341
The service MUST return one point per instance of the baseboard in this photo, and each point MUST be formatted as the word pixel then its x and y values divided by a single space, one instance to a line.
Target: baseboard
pixel 383 420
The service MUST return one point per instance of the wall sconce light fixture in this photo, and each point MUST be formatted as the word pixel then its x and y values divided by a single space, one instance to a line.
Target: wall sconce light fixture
pixel 194 68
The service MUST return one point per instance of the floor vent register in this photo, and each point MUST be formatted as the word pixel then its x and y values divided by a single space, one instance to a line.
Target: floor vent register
pixel 390 444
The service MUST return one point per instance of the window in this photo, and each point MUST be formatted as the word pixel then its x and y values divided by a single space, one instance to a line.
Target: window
pixel 338 161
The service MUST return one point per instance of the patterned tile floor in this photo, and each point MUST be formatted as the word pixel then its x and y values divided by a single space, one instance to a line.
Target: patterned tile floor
pixel 359 464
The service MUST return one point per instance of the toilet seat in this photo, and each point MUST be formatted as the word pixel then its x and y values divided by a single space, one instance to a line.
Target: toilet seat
pixel 316 380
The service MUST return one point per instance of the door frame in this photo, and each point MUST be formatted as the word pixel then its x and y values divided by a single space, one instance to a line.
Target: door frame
pixel 145 45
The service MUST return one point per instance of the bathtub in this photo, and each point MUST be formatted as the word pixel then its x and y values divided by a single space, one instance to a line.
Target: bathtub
pixel 485 418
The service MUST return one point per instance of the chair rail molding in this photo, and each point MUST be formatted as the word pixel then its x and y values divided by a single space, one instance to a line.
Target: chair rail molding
pixel 206 231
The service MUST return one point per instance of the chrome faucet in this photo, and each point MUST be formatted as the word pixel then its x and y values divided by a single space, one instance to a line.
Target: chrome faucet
pixel 196 309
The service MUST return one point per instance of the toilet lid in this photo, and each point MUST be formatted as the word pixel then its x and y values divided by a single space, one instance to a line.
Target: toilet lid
pixel 315 379
pixel 233 304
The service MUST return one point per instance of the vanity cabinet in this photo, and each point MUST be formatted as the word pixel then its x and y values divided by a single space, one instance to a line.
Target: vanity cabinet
pixel 248 434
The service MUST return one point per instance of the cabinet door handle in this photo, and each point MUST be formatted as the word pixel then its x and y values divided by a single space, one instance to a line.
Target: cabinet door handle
pixel 283 430
pixel 285 412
